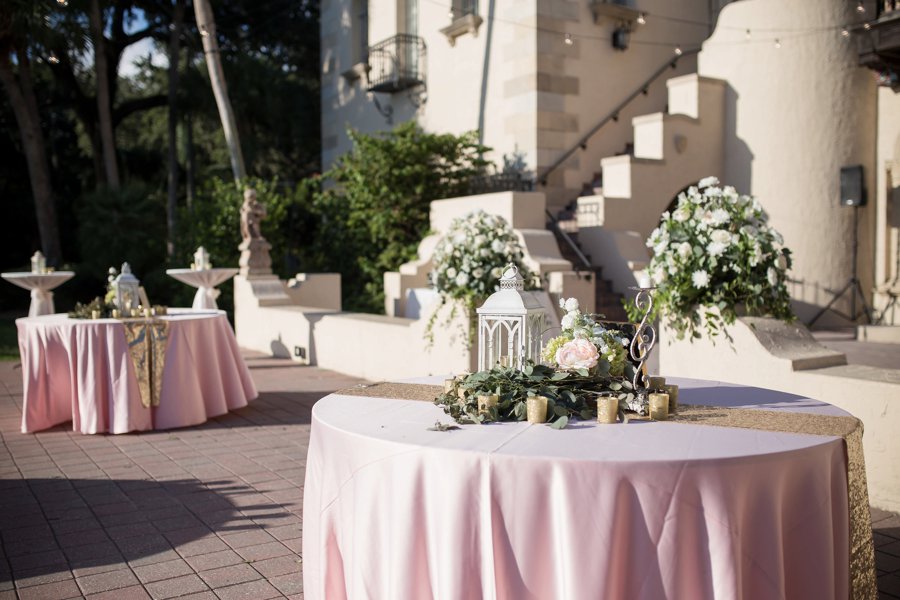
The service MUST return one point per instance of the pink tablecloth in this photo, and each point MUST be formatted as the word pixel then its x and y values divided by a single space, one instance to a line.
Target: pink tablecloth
pixel 81 371
pixel 518 511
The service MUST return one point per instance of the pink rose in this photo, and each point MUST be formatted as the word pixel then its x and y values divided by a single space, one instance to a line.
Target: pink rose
pixel 577 354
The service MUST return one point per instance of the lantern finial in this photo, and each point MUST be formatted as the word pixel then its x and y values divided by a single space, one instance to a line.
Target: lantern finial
pixel 511 279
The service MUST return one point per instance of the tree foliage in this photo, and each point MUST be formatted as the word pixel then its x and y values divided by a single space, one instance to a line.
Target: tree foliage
pixel 381 197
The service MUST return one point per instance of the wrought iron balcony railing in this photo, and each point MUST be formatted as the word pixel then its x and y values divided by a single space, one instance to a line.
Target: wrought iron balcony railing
pixel 397 64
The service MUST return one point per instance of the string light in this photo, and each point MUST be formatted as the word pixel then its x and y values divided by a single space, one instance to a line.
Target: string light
pixel 678 51
pixel 845 33
pixel 569 41
pixel 777 43
pixel 860 8
pixel 450 14
pixel 747 35
pixel 204 31
pixel 642 19
pixel 53 59
pixel 867 26
pixel 62 2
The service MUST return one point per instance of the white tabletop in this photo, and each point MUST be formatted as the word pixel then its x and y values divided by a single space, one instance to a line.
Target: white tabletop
pixel 39 281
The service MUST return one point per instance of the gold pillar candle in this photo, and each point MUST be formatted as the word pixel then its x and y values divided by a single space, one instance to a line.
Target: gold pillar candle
pixel 536 408
pixel 656 384
pixel 607 409
pixel 659 407
pixel 95 314
pixel 116 313
pixel 448 385
pixel 672 391
pixel 486 401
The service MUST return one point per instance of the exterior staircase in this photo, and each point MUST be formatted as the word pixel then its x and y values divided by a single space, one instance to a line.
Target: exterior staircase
pixel 671 151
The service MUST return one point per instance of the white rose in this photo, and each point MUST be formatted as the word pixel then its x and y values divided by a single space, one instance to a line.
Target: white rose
pixel 708 181
pixel 700 279
pixel 577 354
pixel 772 276
pixel 571 304
pixel 682 214
pixel 716 248
pixel 478 273
pixel 659 275
pixel 462 279
pixel 720 216
pixel 684 250
pixel 721 236
pixel 480 240
pixel 451 273
pixel 568 321
pixel 497 246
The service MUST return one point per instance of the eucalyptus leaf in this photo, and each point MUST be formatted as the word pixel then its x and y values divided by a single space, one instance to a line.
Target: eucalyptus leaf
pixel 560 423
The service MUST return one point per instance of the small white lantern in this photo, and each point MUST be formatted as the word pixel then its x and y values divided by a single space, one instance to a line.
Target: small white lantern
pixel 201 259
pixel 127 288
pixel 510 324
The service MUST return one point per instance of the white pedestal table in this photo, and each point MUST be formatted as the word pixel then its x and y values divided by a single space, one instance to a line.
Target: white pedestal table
pixel 205 281
pixel 40 285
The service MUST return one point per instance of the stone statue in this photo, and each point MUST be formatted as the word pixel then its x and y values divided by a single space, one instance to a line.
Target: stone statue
pixel 252 214
pixel 255 259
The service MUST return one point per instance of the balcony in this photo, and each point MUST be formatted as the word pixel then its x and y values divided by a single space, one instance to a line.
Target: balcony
pixel 879 44
pixel 397 64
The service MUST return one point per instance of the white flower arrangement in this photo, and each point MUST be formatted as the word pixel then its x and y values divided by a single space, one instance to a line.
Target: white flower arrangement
pixel 716 249
pixel 469 260
pixel 585 344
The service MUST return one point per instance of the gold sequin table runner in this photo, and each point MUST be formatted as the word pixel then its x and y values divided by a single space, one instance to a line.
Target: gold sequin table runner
pixel 863 583
pixel 147 340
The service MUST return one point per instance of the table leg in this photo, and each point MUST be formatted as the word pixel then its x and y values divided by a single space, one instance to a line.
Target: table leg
pixel 41 303
pixel 205 298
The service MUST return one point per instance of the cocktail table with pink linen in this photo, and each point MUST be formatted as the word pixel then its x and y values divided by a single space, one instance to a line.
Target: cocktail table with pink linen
pixel 511 510
pixel 80 370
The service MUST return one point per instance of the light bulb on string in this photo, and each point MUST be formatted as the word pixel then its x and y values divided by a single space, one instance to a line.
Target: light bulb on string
pixel 845 33
pixel 568 39
pixel 777 43
pixel 678 51
pixel 747 35
pixel 204 31
pixel 53 59
pixel 860 8
pixel 642 19
pixel 867 26
pixel 62 2
pixel 450 14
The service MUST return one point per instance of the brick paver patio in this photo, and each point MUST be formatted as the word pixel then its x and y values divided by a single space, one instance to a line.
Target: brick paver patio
pixel 203 512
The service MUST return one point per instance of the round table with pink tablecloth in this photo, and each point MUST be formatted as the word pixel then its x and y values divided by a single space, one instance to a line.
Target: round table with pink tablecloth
pixel 643 510
pixel 80 370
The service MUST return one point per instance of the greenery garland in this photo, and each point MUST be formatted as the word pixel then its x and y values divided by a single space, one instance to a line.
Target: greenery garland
pixel 570 394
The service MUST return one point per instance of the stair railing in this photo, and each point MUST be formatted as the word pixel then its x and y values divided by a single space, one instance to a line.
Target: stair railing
pixel 614 113
pixel 554 222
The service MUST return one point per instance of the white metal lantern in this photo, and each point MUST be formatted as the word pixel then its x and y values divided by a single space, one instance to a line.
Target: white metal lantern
pixel 510 324
pixel 127 288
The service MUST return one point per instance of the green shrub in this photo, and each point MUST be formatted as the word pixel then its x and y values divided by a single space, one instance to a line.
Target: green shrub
pixel 377 213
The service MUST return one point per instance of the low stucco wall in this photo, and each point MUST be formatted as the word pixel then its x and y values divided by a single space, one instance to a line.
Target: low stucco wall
pixel 769 360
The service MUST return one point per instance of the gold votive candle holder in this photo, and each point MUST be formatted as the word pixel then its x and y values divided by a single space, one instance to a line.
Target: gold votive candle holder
pixel 448 384
pixel 656 384
pixel 486 401
pixel 672 391
pixel 148 312
pixel 536 409
pixel 607 409
pixel 162 310
pixel 95 314
pixel 135 312
pixel 659 406
pixel 116 313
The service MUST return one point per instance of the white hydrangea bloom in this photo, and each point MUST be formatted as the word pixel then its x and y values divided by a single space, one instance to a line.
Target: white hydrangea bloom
pixel 571 304
pixel 716 248
pixel 685 250
pixel 708 181
pixel 700 278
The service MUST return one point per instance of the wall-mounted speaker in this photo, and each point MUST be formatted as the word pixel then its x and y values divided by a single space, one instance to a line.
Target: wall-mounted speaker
pixel 852 191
